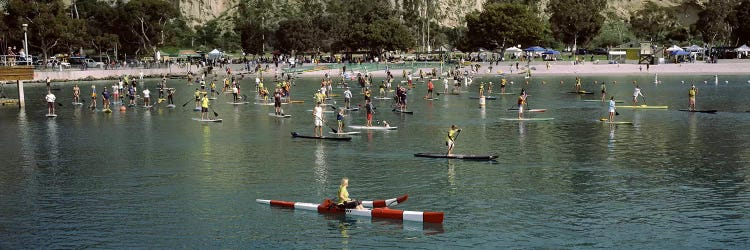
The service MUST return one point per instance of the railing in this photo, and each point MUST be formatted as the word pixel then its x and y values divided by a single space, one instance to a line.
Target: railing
pixel 14 60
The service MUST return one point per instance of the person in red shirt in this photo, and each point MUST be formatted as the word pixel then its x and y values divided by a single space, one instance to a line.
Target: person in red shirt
pixel 430 87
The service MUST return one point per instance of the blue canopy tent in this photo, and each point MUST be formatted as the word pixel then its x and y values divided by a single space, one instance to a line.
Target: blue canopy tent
pixel 679 53
pixel 550 55
pixel 551 52
pixel 535 49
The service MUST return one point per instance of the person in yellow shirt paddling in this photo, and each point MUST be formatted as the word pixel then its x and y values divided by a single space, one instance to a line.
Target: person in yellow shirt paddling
pixel 343 195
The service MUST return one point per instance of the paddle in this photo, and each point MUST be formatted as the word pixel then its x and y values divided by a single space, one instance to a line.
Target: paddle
pixel 324 122
pixel 191 99
pixel 215 114
pixel 644 100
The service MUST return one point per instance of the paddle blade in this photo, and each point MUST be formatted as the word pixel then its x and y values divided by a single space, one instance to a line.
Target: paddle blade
pixel 59 104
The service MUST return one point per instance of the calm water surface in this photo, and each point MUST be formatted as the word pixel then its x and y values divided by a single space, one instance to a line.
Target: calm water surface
pixel 159 179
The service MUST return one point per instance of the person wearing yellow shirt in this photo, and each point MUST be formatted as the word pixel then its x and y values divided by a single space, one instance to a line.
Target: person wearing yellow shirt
pixel 204 107
pixel 450 140
pixel 343 195
pixel 691 97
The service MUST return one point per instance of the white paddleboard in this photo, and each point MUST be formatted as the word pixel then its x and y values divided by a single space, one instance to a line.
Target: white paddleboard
pixel 171 106
pixel 527 119
pixel 77 103
pixel 373 127
pixel 207 120
pixel 51 115
pixel 279 116
pixel 344 133
pixel 238 103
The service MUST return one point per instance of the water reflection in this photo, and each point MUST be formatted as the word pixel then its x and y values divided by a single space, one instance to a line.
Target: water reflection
pixel 207 152
pixel 611 142
pixel 27 142
pixel 692 128
pixel 54 150
pixel 321 168
pixel 451 175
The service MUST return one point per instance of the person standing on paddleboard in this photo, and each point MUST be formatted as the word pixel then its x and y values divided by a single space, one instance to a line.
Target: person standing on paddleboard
pixel 636 93
pixel 450 140
pixel 170 94
pixel 604 91
pixel 347 98
pixel 146 97
pixel 430 88
pixel 521 102
pixel 340 120
pixel 204 107
pixel 318 120
pixel 76 93
pixel 105 99
pixel 50 98
pixel 612 109
pixel 370 111
pixel 691 97
pixel 343 195
pixel 277 101
pixel 93 97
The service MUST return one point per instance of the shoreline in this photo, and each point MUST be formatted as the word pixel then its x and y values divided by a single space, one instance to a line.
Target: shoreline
pixel 558 68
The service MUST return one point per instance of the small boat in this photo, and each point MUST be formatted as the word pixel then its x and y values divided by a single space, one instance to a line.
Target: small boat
pixel 527 119
pixel 345 133
pixel 710 111
pixel 403 111
pixel 581 92
pixel 279 116
pixel 486 97
pixel 373 127
pixel 528 110
pixel 643 107
pixel 330 207
pixel 341 138
pixel 456 156
pixel 207 120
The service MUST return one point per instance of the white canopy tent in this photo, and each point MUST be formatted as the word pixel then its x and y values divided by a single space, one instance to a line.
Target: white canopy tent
pixel 742 50
pixel 694 48
pixel 215 54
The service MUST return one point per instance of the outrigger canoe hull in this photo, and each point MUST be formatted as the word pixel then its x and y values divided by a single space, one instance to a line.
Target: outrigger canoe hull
pixel 328 207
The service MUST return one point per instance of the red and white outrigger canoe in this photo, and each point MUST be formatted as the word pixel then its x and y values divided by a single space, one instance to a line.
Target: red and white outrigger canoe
pixel 374 209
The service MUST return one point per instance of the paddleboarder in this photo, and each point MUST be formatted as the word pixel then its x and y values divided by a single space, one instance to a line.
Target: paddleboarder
pixel 370 111
pixel 521 102
pixel 604 90
pixel 204 107
pixel 636 93
pixel 105 99
pixel 692 92
pixel 340 120
pixel 450 140
pixel 146 97
pixel 430 88
pixel 93 97
pixel 277 101
pixel 170 94
pixel 76 93
pixel 318 120
pixel 343 195
pixel 347 98
pixel 612 109
pixel 50 98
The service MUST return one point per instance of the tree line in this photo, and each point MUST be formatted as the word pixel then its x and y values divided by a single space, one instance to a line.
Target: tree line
pixel 142 27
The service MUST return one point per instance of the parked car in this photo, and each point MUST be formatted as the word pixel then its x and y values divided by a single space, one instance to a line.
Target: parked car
pixel 600 51
pixel 582 52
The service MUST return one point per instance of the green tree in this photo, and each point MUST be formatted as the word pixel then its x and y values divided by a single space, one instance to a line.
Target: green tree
pixel 297 35
pixel 741 20
pixel 614 32
pixel 714 22
pixel 50 27
pixel 653 22
pixel 575 21
pixel 501 25
pixel 208 34
pixel 144 23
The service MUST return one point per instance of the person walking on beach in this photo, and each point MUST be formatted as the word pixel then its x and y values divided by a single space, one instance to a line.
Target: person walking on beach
pixel 691 97
pixel 636 93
